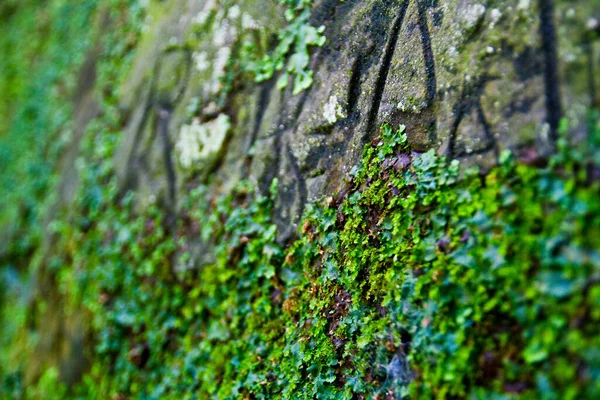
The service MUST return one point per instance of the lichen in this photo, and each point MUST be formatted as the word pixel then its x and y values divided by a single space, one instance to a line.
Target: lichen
pixel 199 141
pixel 333 110
pixel 201 61
pixel 411 282
pixel 474 15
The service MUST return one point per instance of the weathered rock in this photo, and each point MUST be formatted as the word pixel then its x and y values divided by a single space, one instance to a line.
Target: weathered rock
pixel 467 78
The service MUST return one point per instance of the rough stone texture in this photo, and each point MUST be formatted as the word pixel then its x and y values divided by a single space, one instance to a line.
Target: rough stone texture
pixel 467 78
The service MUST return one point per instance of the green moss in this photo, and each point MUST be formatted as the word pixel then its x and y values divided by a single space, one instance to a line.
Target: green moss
pixel 42 43
pixel 35 145
pixel 294 42
pixel 413 282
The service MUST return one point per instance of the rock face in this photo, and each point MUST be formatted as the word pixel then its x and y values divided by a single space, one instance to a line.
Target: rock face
pixel 467 78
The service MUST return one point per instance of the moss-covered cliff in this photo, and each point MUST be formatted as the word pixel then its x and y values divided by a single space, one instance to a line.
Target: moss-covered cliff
pixel 327 199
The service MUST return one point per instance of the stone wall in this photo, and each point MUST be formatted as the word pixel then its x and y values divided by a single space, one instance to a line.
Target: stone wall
pixel 469 79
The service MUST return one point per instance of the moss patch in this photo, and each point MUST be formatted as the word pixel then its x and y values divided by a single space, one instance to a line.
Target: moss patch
pixel 411 281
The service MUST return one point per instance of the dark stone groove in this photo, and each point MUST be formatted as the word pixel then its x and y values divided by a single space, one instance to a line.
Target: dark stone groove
pixel 354 87
pixel 551 74
pixel 589 50
pixel 528 63
pixel 164 116
pixel 131 179
pixel 469 98
pixel 427 54
pixel 263 103
pixel 459 111
pixel 487 128
pixel 384 71
pixel 306 92
pixel 302 192
pixel 159 109
pixel 265 181
pixel 315 155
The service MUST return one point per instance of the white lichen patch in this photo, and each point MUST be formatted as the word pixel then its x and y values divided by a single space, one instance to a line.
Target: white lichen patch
pixel 523 4
pixel 198 142
pixel 333 111
pixel 224 27
pixel 475 13
pixel 216 28
pixel 248 23
pixel 219 67
pixel 410 107
pixel 301 148
pixel 234 12
pixel 202 16
pixel 222 33
pixel 201 61
pixel 495 15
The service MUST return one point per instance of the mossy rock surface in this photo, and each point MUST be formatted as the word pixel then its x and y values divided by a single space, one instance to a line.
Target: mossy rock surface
pixel 248 199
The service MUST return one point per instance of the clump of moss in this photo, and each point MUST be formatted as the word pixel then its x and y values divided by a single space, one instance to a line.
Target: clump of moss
pixel 42 45
pixel 294 43
pixel 34 142
pixel 411 282
pixel 421 283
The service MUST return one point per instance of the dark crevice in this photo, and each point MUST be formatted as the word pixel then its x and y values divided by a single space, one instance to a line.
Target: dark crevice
pixel 469 98
pixel 520 105
pixel 159 110
pixel 302 192
pixel 142 163
pixel 265 181
pixel 263 103
pixel 318 59
pixel 301 103
pixel 489 135
pixel 354 87
pixel 131 178
pixel 384 71
pixel 527 63
pixel 325 11
pixel 184 81
pixel 589 50
pixel 315 157
pixel 459 113
pixel 164 116
pixel 459 110
pixel 286 123
pixel 551 74
pixel 427 54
